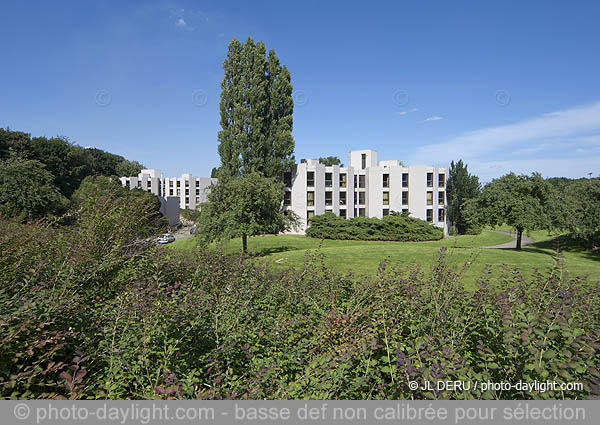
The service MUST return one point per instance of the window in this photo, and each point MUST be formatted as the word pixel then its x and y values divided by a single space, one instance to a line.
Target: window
pixel 342 198
pixel 310 214
pixel 404 179
pixel 328 198
pixel 287 198
pixel 441 214
pixel 355 180
pixel 178 183
pixel 343 213
pixel 363 160
pixel 170 192
pixel 197 200
pixel 361 198
pixel 187 201
pixel 328 182
pixel 361 212
pixel 187 183
pixel 355 198
pixel 197 183
pixel 404 210
pixel 310 199
pixel 429 215
pixel 386 180
pixel 171 183
pixel 386 212
pixel 310 178
pixel 429 198
pixel 441 198
pixel 197 192
pixel 178 192
pixel 386 198
pixel 287 179
pixel 139 183
pixel 343 178
pixel 441 180
pixel 187 192
pixel 429 179
pixel 405 198
pixel 361 181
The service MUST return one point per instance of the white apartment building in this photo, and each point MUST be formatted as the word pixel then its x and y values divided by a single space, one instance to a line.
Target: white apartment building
pixel 190 190
pixel 366 188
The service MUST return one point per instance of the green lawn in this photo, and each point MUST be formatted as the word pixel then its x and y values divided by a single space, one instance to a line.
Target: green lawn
pixel 362 257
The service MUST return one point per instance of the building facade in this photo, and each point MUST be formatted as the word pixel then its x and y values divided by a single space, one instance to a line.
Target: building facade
pixel 366 188
pixel 190 190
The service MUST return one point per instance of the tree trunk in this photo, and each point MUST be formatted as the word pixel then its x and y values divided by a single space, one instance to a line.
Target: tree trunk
pixel 519 235
pixel 245 243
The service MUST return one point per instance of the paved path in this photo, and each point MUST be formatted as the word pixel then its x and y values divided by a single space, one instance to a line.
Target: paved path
pixel 182 233
pixel 525 240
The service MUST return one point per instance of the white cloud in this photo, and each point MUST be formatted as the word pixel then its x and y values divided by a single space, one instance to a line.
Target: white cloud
pixel 436 118
pixel 180 23
pixel 547 143
pixel 407 112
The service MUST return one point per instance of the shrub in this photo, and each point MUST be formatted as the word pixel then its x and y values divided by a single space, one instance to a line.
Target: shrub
pixel 157 323
pixel 396 227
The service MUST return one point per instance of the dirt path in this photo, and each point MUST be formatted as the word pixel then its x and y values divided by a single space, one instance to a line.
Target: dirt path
pixel 525 240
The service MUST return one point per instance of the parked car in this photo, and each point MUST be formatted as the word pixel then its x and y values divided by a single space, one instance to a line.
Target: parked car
pixel 166 238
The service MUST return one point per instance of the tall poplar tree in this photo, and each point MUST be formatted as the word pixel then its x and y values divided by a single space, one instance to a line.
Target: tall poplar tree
pixel 461 186
pixel 256 112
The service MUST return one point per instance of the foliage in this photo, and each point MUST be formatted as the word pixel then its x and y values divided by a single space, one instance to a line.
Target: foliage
pixel 243 206
pixel 256 112
pixel 460 187
pixel 519 201
pixel 68 163
pixel 331 160
pixel 576 208
pixel 127 168
pixel 396 227
pixel 190 215
pixel 208 326
pixel 27 189
pixel 125 212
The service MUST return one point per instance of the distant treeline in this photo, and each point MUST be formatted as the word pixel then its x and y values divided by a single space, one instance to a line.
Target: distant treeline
pixel 68 162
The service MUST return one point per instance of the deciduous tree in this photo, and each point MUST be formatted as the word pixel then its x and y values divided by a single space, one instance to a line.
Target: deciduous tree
pixel 519 201
pixel 244 206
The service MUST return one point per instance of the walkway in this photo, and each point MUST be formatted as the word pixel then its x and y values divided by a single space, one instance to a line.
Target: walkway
pixel 525 240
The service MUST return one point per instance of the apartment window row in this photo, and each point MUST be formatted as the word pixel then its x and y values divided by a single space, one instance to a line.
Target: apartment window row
pixel 441 180
pixel 441 215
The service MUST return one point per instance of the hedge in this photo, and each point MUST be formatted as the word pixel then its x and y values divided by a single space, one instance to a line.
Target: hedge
pixel 394 227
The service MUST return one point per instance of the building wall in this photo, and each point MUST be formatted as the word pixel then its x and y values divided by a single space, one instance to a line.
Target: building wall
pixel 373 204
pixel 190 190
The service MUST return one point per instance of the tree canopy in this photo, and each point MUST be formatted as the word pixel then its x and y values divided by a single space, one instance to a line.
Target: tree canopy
pixel 256 109
pixel 245 206
pixel 28 191
pixel 519 201
pixel 68 163
pixel 460 187
pixel 331 160
pixel 576 209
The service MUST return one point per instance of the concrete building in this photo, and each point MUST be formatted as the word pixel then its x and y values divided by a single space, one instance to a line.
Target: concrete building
pixel 186 192
pixel 190 190
pixel 367 188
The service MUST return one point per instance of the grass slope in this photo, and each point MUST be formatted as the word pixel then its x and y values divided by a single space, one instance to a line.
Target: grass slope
pixel 362 257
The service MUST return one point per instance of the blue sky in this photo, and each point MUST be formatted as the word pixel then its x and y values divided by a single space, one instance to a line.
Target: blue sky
pixel 506 86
